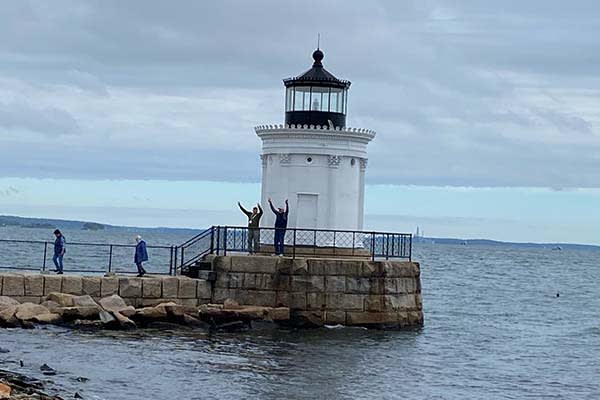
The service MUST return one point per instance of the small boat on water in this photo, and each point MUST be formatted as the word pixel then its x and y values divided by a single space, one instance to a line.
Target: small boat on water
pixel 557 248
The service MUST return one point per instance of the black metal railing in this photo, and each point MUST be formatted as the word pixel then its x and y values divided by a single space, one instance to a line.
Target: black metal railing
pixel 298 242
pixel 33 255
pixel 104 258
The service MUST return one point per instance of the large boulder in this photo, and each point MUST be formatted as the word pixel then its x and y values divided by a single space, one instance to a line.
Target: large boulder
pixel 49 318
pixel 53 306
pixel 7 317
pixel 6 301
pixel 124 322
pixel 106 317
pixel 84 307
pixel 71 313
pixel 63 299
pixel 29 311
pixel 151 313
pixel 5 391
pixel 116 304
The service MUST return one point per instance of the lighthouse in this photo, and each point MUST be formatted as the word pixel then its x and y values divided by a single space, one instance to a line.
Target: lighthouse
pixel 314 160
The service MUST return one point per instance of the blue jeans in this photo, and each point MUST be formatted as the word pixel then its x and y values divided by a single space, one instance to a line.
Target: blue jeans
pixel 279 239
pixel 58 262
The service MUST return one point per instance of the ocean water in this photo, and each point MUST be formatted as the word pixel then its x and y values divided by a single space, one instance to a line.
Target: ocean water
pixel 494 329
pixel 82 257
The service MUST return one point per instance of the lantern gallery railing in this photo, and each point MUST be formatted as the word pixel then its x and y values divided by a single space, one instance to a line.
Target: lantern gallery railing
pixel 298 242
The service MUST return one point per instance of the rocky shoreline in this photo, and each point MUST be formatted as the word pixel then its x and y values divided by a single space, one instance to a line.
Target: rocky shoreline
pixel 14 386
pixel 112 312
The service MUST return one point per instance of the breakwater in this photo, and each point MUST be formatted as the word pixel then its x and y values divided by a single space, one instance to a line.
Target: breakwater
pixel 378 294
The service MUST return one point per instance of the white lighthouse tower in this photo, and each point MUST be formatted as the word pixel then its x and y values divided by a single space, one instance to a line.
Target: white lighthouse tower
pixel 314 160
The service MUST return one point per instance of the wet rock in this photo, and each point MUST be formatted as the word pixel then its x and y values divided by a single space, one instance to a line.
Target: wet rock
pixel 124 322
pixel 47 370
pixel 77 396
pixel 106 317
pixel 4 351
pixel 85 324
pixel 195 322
pixel 48 319
pixel 7 317
pixel 234 326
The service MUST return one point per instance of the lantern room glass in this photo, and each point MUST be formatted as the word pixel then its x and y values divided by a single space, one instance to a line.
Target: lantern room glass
pixel 316 98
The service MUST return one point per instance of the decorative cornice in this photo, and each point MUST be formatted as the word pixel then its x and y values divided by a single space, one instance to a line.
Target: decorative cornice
pixel 315 130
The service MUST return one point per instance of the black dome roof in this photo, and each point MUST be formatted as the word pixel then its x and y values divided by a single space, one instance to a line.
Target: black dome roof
pixel 317 75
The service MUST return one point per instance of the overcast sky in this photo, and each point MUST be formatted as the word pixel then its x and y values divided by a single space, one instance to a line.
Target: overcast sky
pixel 461 93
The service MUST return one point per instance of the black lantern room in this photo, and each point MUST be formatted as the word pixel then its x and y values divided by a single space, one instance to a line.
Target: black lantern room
pixel 316 97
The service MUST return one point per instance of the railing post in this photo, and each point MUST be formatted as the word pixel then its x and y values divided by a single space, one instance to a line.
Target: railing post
pixel 334 243
pixel 387 246
pixel 175 259
pixel 393 243
pixel 353 242
pixel 45 253
pixel 315 242
pixel 225 241
pixel 410 248
pixel 171 260
pixel 294 245
pixel 218 239
pixel 373 246
pixel 212 240
pixel 182 258
pixel 110 258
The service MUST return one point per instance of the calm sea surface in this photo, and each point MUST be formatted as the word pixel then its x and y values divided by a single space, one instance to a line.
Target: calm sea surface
pixel 494 329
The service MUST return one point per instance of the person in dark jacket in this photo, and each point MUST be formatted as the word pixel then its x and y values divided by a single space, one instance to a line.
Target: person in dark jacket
pixel 253 227
pixel 141 255
pixel 59 251
pixel 281 219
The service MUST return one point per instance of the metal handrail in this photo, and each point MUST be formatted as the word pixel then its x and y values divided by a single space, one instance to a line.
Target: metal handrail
pixel 233 239
pixel 109 246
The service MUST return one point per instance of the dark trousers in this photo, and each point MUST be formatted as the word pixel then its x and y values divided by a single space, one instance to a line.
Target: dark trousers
pixel 279 239
pixel 58 262
pixel 253 240
pixel 140 268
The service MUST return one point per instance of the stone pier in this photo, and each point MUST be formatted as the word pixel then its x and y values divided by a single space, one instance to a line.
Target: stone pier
pixel 318 291
pixel 378 294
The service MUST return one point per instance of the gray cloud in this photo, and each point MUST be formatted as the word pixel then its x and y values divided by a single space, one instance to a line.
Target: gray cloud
pixel 461 93
pixel 47 120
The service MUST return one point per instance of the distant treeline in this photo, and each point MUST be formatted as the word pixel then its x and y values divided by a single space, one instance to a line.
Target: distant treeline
pixel 488 242
pixel 46 223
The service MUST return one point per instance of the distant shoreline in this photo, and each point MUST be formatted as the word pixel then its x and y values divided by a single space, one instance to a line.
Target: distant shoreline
pixel 49 223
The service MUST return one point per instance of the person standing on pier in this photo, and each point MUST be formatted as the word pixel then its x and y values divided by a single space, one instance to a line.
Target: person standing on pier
pixel 253 227
pixel 141 255
pixel 281 219
pixel 59 251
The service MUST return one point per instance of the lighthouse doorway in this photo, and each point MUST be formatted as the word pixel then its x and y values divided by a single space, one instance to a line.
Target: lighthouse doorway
pixel 306 214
